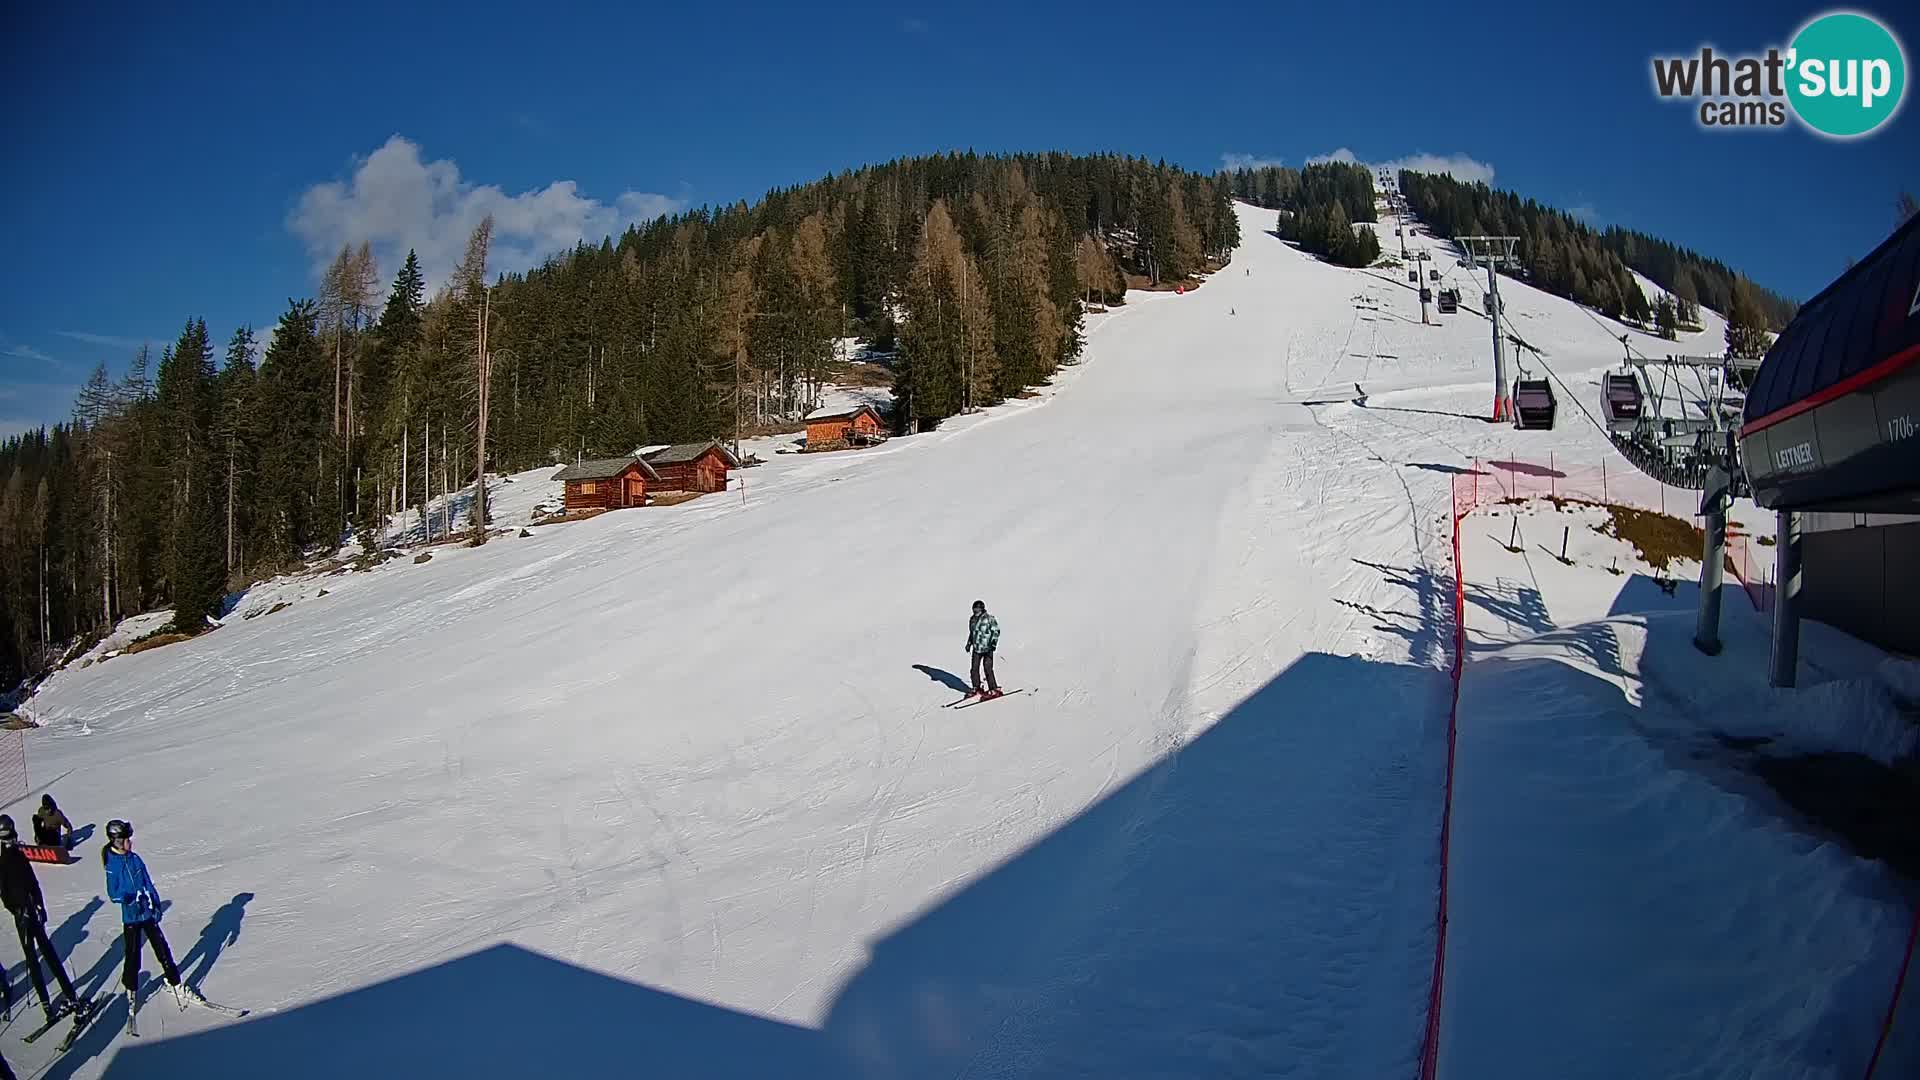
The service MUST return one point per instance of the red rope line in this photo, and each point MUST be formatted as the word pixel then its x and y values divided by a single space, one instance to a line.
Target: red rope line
pixel 1899 984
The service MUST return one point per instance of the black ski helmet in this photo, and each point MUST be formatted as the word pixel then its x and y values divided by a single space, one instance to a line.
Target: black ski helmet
pixel 979 607
pixel 7 834
pixel 119 830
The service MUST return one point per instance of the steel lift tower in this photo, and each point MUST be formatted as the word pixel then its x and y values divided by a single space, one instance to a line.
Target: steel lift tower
pixel 1495 251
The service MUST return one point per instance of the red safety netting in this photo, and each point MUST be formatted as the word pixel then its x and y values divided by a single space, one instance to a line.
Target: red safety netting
pixel 13 766
pixel 1610 482
pixel 1490 481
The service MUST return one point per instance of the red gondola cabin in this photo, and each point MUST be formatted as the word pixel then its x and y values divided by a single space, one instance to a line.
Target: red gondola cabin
pixel 608 483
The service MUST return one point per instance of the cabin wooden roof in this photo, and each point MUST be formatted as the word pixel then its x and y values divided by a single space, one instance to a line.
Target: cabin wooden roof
pixel 604 469
pixel 686 453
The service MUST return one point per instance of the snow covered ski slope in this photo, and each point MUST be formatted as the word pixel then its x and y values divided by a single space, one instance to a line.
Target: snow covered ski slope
pixel 672 790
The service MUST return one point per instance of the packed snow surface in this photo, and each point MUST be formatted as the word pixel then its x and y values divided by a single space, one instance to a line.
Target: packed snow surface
pixel 1630 895
pixel 672 791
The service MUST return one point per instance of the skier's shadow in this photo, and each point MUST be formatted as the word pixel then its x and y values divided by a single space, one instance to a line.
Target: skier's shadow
pixel 222 930
pixel 945 678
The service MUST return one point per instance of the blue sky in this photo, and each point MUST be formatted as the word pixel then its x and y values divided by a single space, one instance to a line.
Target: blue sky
pixel 162 166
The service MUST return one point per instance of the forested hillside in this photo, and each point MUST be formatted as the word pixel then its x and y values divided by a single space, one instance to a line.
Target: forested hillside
pixel 1564 256
pixel 186 476
pixel 1321 204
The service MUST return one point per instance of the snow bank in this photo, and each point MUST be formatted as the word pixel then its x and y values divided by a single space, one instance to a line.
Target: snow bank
pixel 1629 896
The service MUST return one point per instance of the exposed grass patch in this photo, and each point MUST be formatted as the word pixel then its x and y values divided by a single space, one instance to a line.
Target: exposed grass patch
pixel 157 640
pixel 673 498
pixel 1659 538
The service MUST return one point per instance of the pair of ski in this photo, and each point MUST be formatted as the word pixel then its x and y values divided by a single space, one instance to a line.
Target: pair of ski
pixel 81 1018
pixel 96 1005
pixel 977 698
pixel 193 998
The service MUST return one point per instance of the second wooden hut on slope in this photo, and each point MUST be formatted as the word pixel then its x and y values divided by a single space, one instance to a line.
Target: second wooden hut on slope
pixel 699 466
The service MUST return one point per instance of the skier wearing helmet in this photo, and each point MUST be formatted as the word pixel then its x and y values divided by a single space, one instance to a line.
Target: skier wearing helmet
pixel 983 637
pixel 130 886
pixel 20 892
pixel 50 826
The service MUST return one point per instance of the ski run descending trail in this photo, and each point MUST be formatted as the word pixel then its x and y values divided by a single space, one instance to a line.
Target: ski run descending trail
pixel 664 791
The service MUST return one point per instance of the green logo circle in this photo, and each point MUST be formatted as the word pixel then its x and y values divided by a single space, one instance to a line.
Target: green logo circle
pixel 1847 75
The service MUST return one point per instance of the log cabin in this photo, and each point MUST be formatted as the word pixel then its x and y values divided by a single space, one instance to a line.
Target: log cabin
pixel 835 427
pixel 699 466
pixel 607 483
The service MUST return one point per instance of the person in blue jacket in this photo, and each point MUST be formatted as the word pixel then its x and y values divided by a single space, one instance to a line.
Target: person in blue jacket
pixel 130 886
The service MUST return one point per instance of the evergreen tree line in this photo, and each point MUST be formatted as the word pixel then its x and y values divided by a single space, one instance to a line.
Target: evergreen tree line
pixel 1319 206
pixel 183 479
pixel 1566 257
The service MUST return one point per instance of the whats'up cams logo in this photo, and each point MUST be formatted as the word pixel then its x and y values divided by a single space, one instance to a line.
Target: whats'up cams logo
pixel 1844 75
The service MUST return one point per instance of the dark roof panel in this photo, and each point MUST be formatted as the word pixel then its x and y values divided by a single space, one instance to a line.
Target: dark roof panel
pixel 604 469
pixel 683 453
pixel 1864 319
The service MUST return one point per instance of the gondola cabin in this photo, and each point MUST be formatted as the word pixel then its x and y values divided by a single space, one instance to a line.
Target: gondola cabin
pixel 1449 301
pixel 1623 402
pixel 1533 404
pixel 607 483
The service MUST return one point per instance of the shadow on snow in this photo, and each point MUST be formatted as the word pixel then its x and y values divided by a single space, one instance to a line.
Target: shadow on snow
pixel 1209 916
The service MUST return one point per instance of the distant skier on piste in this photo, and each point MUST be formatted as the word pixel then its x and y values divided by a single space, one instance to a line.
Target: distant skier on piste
pixel 20 892
pixel 983 637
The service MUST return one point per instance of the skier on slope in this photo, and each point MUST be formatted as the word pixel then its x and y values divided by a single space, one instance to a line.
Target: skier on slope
pixel 130 886
pixel 20 892
pixel 51 827
pixel 983 636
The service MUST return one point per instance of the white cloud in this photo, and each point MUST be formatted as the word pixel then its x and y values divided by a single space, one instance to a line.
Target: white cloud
pixel 105 340
pixel 28 352
pixel 1459 166
pixel 396 200
pixel 1231 161
pixel 1584 212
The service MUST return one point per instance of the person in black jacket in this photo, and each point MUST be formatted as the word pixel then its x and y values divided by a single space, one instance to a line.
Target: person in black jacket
pixel 20 892
pixel 51 827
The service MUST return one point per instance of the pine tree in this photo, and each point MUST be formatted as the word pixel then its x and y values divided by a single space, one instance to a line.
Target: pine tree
pixel 186 401
pixel 1664 317
pixel 1746 325
pixel 1686 301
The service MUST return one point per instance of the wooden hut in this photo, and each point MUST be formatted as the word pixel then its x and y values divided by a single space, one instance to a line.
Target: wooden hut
pixel 832 427
pixel 700 466
pixel 607 483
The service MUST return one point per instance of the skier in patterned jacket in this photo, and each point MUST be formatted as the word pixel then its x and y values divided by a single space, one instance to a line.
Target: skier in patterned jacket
pixel 983 637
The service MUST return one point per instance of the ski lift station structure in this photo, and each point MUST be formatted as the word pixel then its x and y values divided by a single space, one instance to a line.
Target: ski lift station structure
pixel 1673 415
pixel 1831 438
